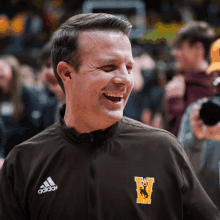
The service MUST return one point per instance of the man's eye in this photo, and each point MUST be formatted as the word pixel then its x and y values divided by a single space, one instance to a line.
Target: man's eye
pixel 108 68
pixel 129 68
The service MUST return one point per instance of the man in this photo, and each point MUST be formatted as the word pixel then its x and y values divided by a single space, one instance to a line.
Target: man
pixel 191 49
pixel 202 142
pixel 95 164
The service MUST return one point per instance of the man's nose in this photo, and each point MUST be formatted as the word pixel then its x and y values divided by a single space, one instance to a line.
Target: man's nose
pixel 123 77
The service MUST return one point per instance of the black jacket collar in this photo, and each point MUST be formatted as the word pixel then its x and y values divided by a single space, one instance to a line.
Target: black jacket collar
pixel 97 137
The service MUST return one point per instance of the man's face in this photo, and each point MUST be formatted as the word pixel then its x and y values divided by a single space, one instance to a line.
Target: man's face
pixel 5 76
pixel 101 87
pixel 185 56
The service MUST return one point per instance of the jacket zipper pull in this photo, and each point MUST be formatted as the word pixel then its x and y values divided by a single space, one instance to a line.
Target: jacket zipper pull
pixel 91 138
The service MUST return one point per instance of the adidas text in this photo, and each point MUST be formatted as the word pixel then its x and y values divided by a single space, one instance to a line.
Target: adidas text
pixel 47 189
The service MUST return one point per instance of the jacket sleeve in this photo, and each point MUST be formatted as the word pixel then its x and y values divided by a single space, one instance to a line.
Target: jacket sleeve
pixel 192 146
pixel 196 203
pixel 10 206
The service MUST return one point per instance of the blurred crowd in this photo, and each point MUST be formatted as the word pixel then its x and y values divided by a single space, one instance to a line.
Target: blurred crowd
pixel 171 79
pixel 28 102
pixel 185 10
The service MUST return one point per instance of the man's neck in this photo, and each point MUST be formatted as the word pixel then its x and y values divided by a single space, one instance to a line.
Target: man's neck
pixel 80 126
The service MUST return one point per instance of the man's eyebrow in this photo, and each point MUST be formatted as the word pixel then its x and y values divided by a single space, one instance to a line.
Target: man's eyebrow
pixel 109 61
pixel 114 60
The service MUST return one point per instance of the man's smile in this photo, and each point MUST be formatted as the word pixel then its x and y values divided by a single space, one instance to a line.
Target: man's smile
pixel 114 96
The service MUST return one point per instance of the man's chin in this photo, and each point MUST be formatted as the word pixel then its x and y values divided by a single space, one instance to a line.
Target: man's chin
pixel 114 116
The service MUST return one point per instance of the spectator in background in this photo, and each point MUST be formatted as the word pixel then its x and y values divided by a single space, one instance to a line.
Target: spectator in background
pixel 152 98
pixel 19 105
pixel 191 49
pixel 202 142
pixel 144 103
pixel 2 142
pixel 51 94
pixel 143 62
pixel 28 77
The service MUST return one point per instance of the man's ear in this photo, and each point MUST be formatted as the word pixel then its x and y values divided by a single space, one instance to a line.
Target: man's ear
pixel 64 70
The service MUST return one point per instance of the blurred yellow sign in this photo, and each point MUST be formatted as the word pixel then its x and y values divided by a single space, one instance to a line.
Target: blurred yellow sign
pixel 14 26
pixel 162 31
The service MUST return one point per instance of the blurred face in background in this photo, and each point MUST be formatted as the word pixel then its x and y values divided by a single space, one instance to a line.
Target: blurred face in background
pixel 185 56
pixel 48 77
pixel 5 76
pixel 27 75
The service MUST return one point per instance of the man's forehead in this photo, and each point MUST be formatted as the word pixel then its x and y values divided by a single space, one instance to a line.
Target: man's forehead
pixel 107 42
pixel 99 32
pixel 95 36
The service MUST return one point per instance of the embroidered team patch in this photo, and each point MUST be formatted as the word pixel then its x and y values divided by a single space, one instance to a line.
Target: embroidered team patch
pixel 144 188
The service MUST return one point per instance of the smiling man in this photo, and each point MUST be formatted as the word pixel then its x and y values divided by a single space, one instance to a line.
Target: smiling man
pixel 97 93
pixel 94 163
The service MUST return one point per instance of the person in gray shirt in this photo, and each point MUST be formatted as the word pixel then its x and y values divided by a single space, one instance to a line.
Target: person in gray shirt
pixel 202 142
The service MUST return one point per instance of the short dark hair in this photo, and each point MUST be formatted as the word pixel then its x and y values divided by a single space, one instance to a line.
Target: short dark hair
pixel 65 39
pixel 195 31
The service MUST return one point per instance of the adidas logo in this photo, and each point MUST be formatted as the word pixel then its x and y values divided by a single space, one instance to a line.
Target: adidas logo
pixel 48 186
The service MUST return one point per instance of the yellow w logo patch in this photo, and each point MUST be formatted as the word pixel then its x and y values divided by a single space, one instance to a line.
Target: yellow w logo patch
pixel 144 188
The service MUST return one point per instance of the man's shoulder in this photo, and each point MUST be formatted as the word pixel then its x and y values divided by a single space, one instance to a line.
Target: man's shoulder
pixel 152 139
pixel 136 125
pixel 139 129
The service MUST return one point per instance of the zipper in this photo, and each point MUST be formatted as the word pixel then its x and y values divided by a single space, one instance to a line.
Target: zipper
pixel 92 196
pixel 91 138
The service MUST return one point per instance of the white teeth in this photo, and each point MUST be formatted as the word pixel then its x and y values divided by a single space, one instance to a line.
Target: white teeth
pixel 114 94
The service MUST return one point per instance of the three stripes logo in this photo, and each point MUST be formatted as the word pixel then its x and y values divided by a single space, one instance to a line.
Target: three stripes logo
pixel 48 186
